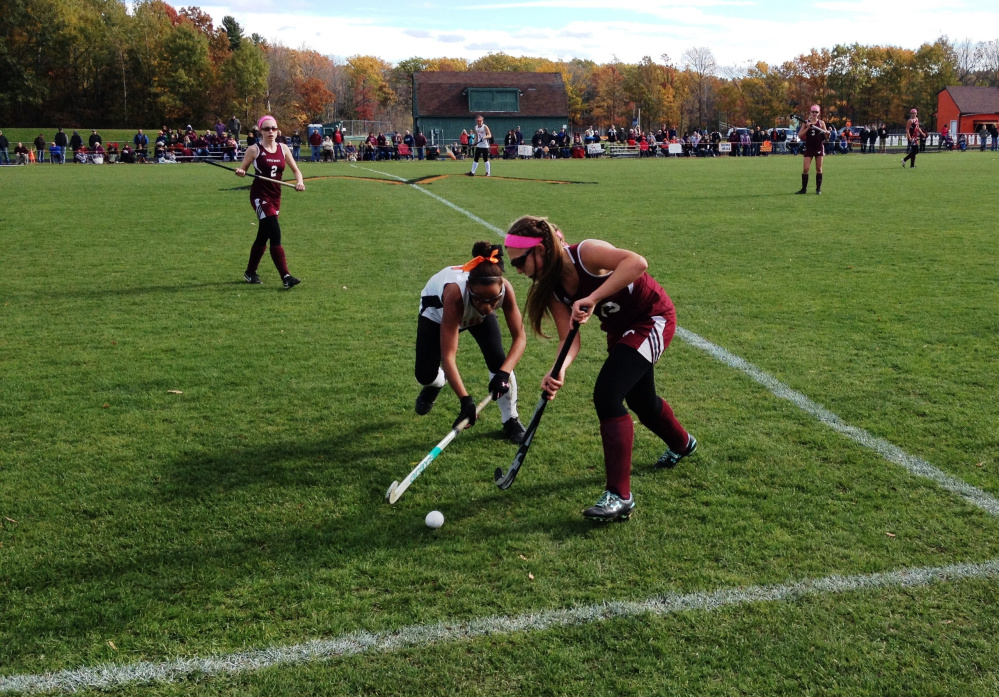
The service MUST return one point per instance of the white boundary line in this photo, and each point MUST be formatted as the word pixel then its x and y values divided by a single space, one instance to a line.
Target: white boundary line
pixel 431 194
pixel 890 452
pixel 108 676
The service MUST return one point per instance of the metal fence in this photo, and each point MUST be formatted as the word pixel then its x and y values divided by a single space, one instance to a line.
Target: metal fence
pixel 362 128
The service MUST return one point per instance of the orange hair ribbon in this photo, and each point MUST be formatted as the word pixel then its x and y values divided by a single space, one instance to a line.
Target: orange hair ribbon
pixel 492 258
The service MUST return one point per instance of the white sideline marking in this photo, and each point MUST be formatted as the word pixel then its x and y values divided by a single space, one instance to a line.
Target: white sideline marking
pixel 109 676
pixel 480 221
pixel 890 452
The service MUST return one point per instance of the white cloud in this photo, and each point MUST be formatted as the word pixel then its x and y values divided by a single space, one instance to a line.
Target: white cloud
pixel 652 29
pixel 628 6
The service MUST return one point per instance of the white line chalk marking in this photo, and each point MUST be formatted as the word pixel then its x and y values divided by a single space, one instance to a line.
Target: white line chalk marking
pixel 107 676
pixel 480 221
pixel 892 453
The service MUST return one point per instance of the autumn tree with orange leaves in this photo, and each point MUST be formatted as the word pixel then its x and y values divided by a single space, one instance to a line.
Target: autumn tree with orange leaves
pixel 148 64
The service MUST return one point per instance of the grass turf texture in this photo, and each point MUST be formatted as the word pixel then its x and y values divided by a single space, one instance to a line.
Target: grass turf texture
pixel 248 511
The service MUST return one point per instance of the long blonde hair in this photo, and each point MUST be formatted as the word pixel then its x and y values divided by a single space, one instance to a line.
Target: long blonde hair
pixel 543 288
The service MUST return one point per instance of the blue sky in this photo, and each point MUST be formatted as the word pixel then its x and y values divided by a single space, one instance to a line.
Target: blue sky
pixel 737 31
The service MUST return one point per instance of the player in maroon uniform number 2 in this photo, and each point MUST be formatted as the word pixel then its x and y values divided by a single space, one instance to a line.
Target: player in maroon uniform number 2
pixel 269 159
pixel 573 282
pixel 913 131
pixel 813 134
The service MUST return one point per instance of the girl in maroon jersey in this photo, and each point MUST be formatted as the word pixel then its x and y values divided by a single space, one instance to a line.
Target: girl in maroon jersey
pixel 269 159
pixel 813 134
pixel 913 131
pixel 573 282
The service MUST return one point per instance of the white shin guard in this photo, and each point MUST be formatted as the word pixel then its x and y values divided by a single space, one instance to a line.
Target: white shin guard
pixel 440 380
pixel 508 402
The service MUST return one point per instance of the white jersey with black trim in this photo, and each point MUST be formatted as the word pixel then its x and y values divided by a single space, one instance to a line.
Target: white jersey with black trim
pixel 481 141
pixel 432 302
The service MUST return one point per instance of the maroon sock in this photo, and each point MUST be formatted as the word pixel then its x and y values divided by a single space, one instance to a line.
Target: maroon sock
pixel 618 436
pixel 256 254
pixel 277 254
pixel 668 428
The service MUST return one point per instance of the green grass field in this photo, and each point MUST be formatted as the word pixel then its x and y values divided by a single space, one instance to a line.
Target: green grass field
pixel 248 512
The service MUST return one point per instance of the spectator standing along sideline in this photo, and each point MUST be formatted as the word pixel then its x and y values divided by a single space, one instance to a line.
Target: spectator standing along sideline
pixel 316 141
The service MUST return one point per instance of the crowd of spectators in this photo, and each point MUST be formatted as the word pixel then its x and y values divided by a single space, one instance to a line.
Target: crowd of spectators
pixel 985 133
pixel 400 145
pixel 166 146
pixel 222 142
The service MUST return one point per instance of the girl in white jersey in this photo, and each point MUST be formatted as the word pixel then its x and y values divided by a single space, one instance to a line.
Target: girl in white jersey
pixel 460 298
pixel 482 136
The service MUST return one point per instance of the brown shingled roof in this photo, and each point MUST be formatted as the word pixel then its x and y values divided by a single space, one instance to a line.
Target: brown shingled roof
pixel 440 93
pixel 975 100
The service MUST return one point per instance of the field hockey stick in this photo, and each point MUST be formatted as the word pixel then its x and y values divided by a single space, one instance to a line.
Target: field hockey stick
pixel 255 176
pixel 503 481
pixel 396 489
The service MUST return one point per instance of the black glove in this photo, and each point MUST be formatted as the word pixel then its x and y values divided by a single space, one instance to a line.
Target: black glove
pixel 500 384
pixel 467 411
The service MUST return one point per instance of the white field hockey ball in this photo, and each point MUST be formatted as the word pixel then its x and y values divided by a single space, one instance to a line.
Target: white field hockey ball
pixel 435 519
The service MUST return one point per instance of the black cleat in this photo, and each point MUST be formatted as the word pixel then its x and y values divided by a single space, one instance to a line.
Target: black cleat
pixel 669 459
pixel 610 507
pixel 252 277
pixel 425 400
pixel 469 174
pixel 818 191
pixel 514 430
pixel 801 191
pixel 290 281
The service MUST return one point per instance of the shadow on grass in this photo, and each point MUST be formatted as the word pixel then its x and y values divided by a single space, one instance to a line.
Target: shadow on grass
pixel 198 550
pixel 350 461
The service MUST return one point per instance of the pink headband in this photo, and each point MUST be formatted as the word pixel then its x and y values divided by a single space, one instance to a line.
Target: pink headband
pixel 519 241
pixel 816 106
pixel 264 118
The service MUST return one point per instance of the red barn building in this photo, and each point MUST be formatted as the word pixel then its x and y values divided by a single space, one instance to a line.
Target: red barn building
pixel 965 109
